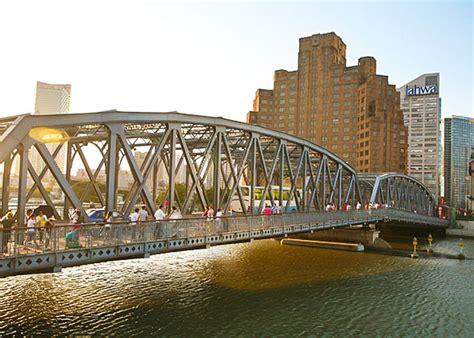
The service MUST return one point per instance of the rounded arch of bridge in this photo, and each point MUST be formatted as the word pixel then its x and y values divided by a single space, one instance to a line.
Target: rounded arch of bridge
pixel 402 191
pixel 306 176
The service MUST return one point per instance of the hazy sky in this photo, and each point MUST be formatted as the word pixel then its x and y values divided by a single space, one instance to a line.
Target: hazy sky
pixel 209 57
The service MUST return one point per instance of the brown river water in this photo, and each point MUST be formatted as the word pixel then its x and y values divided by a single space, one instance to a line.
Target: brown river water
pixel 251 289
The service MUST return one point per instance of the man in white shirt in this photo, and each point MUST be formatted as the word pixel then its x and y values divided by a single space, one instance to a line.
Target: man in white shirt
pixel 159 216
pixel 134 216
pixel 143 214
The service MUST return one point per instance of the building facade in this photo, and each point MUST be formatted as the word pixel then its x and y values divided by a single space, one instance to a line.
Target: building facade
pixel 421 106
pixel 458 149
pixel 351 111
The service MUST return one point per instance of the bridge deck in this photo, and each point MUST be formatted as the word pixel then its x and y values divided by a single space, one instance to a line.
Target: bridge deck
pixel 97 242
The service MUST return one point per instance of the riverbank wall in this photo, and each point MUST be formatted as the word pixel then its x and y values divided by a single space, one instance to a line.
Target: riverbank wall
pixel 466 230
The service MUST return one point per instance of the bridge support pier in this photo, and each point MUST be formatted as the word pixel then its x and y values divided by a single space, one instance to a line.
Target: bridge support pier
pixel 363 235
pixel 56 269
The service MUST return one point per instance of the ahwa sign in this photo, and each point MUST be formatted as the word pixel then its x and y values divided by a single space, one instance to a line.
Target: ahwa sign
pixel 421 90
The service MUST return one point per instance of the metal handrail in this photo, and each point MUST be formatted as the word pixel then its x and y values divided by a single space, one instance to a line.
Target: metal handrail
pixel 73 236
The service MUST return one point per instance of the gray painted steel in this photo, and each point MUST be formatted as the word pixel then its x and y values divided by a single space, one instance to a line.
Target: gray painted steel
pixel 218 157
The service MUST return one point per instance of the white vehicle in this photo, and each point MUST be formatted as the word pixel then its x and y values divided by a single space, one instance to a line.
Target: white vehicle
pixel 275 191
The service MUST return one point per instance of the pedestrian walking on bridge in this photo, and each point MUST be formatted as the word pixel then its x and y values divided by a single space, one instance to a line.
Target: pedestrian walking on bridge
pixel 7 224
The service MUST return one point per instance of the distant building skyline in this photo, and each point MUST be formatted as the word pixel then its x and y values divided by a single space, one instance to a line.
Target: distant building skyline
pixel 217 52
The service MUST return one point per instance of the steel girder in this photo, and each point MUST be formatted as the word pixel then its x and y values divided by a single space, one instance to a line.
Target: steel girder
pixel 404 192
pixel 191 161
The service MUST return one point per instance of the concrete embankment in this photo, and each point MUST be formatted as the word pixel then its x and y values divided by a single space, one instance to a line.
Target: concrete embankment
pixel 466 231
pixel 323 244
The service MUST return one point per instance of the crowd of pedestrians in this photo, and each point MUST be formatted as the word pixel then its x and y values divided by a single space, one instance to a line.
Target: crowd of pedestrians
pixel 38 226
pixel 37 231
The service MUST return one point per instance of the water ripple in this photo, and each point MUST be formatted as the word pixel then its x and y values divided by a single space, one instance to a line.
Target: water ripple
pixel 257 289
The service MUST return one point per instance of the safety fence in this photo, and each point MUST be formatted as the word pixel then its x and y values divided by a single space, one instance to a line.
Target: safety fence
pixel 31 249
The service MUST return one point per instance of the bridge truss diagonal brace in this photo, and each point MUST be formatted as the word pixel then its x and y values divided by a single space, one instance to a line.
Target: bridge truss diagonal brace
pixel 233 175
pixel 240 172
pixel 7 165
pixel 192 169
pixel 149 166
pixel 92 176
pixel 96 172
pixel 58 175
pixel 293 177
pixel 42 189
pixel 311 185
pixel 42 173
pixel 268 175
pixel 148 199
pixel 314 193
pixel 202 170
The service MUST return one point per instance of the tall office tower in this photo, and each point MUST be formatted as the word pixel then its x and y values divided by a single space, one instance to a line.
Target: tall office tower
pixel 51 99
pixel 352 111
pixel 458 148
pixel 421 106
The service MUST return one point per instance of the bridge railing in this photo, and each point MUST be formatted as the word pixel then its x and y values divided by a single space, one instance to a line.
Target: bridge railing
pixel 24 241
pixel 407 216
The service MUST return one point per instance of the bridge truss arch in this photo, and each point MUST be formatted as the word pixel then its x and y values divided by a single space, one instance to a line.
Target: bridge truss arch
pixel 403 192
pixel 147 158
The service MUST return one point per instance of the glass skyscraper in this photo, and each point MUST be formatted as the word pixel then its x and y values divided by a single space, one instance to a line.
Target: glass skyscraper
pixel 458 148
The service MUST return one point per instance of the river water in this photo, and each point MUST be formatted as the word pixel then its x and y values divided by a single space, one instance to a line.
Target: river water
pixel 251 289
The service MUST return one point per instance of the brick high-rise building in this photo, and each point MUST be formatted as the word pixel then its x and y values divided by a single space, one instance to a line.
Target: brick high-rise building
pixel 352 111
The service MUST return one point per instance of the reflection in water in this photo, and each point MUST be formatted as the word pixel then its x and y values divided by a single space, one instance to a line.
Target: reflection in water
pixel 258 288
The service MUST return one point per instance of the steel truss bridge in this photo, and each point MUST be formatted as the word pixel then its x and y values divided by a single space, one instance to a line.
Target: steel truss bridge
pixel 213 157
pixel 191 161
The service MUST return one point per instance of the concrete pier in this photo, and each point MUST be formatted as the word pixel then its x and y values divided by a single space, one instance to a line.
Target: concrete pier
pixel 323 244
pixel 368 237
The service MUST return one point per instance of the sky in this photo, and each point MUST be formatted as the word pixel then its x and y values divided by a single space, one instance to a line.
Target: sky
pixel 209 58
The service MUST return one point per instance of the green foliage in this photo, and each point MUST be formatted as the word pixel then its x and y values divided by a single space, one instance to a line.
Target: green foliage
pixel 79 188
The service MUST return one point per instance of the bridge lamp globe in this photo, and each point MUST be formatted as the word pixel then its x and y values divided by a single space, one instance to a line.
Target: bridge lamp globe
pixel 48 135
